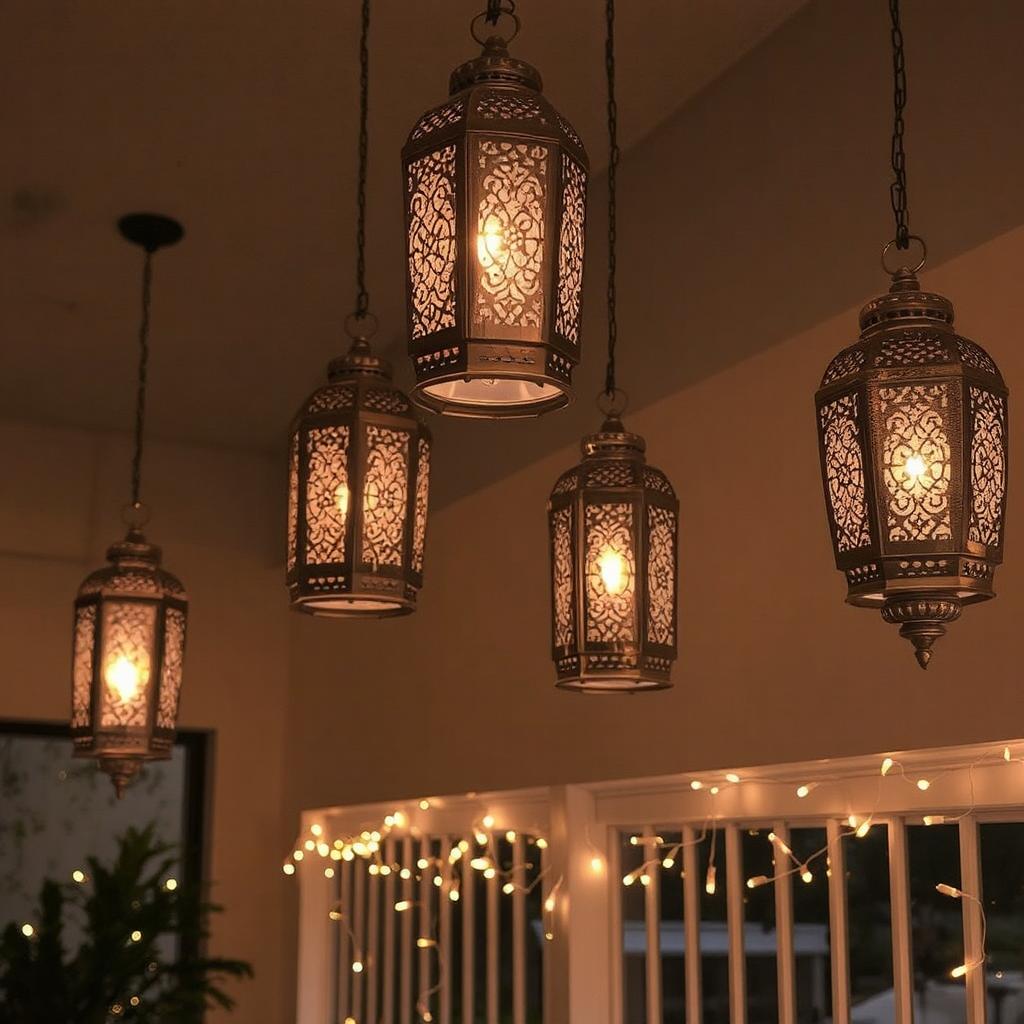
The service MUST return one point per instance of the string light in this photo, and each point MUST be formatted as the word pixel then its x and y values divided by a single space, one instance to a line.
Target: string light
pixel 806 875
pixel 510 836
pixel 288 869
pixel 668 863
pixel 309 845
pixel 542 844
pixel 328 872
pixel 316 829
pixel 709 880
pixel 78 876
pixel 488 821
pixel 805 790
pixel 645 879
pixel 1006 754
pixel 757 880
pixel 424 805
pixel 402 906
pixel 357 967
pixel 934 819
pixel 696 784
pixel 732 777
pixel 28 931
pixel 508 888
pixel 887 765
pixel 597 864
pixel 923 784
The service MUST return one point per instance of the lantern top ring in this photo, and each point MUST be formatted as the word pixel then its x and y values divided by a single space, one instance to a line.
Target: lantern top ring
pixel 613 403
pixel 135 515
pixel 913 270
pixel 361 326
pixel 508 13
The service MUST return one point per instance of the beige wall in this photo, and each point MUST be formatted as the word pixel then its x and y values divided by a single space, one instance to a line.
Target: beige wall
pixel 214 514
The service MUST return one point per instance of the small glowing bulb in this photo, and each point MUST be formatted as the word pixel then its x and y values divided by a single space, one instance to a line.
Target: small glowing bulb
pixel 328 872
pixel 171 884
pixel 805 874
pixel 549 904
pixel 887 765
pixel 124 678
pixel 464 845
pixel 424 805
pixel 28 931
pixel 323 849
pixel 341 499
pixel 757 880
pixel 596 865
pixel 317 830
pixel 773 838
pixel 1006 753
pixel 454 855
pixel 298 855
pixel 438 881
pixel 490 242
pixel 134 1000
pixel 309 845
pixel 696 784
pixel 713 791
pixel 348 854
pixel 948 890
pixel 402 905
pixel 612 567
pixel 385 869
pixel 863 828
pixel 479 863
pixel 668 862
pixel 958 972
pixel 424 943
pixel 389 821
pixel 78 876
pixel 350 1020
pixel 336 855
pixel 510 836
pixel 732 777
pixel 709 881
pixel 915 466
pixel 427 1017
pixel 802 791
pixel 488 821
pixel 422 863
pixel 400 821
pixel 508 888
pixel 357 967
pixel 136 936
pixel 549 936
pixel 934 819
pixel 480 837
pixel 923 784
pixel 288 869
pixel 634 840
pixel 542 843
pixel 645 879
pixel 489 873
pixel 629 879
pixel 454 895
pixel 405 874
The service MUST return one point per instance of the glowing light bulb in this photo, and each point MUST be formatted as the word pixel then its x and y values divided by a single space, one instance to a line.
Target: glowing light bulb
pixel 491 246
pixel 1006 753
pixel 171 884
pixel 438 881
pixel 732 777
pixel 863 828
pixel 713 791
pixel 549 904
pixel 634 840
pixel 424 943
pixel 309 845
pixel 668 862
pixel 424 805
pixel 629 879
pixel 317 830
pixel 405 874
pixel 28 931
pixel 596 865
pixel 298 855
pixel 78 876
pixel 696 784
pixel 948 890
pixel 915 466
pixel 645 879
pixel 614 575
pixel 934 819
pixel 805 874
pixel 479 863
pixel 542 844
pixel 123 677
pixel 958 972
pixel 288 869
pixel 402 905
pixel 489 873
pixel 757 880
pixel 464 845
pixel 709 881
pixel 887 765
pixel 508 888
pixel 510 836
pixel 136 936
pixel 488 821
pixel 422 863
pixel 803 791
pixel 454 895
pixel 923 784
pixel 357 967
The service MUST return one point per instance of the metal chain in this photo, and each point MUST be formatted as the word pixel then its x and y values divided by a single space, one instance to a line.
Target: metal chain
pixel 496 8
pixel 898 188
pixel 362 295
pixel 140 395
pixel 613 164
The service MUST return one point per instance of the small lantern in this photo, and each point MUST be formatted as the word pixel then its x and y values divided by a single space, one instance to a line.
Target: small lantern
pixel 614 523
pixel 129 646
pixel 912 427
pixel 357 496
pixel 496 186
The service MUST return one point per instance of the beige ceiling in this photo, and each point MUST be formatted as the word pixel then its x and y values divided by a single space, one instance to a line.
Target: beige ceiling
pixel 237 116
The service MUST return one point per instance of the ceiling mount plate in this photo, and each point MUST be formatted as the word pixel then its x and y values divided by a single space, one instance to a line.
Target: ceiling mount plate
pixel 150 230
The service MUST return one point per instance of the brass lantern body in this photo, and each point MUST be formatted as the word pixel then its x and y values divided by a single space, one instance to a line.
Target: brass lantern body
pixel 613 523
pixel 912 429
pixel 496 184
pixel 129 648
pixel 359 472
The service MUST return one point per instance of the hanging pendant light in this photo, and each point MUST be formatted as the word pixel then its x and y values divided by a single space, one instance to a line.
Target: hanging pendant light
pixel 130 616
pixel 912 427
pixel 613 523
pixel 359 465
pixel 496 186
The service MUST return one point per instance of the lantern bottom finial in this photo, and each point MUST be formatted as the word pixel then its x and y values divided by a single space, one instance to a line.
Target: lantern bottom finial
pixel 922 619
pixel 121 772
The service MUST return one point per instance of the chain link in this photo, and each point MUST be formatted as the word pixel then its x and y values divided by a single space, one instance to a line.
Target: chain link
pixel 898 188
pixel 613 165
pixel 362 295
pixel 140 394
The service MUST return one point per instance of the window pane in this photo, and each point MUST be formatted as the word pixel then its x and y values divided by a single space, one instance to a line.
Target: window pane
pixel 1002 880
pixel 811 927
pixel 714 934
pixel 759 934
pixel 634 938
pixel 870 939
pixel 673 968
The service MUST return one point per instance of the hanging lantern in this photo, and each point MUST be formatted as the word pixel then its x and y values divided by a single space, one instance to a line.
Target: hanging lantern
pixel 912 425
pixel 495 215
pixel 912 428
pixel 613 522
pixel 359 465
pixel 357 496
pixel 130 616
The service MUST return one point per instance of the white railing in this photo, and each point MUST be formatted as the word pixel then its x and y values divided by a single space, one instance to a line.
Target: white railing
pixel 383 940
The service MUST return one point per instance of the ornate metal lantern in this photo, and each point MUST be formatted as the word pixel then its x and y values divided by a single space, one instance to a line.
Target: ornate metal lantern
pixel 495 214
pixel 912 425
pixel 912 428
pixel 613 522
pixel 357 495
pixel 130 616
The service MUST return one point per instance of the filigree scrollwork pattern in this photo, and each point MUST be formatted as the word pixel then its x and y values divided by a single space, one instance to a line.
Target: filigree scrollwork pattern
pixel 570 249
pixel 386 400
pixel 655 480
pixel 510 233
pixel 385 496
pixel 916 458
pixel 438 118
pixel 419 523
pixel 661 575
pixel 848 361
pixel 501 105
pixel 610 572
pixel 566 482
pixel 432 245
pixel 327 494
pixel 612 474
pixel 82 660
pixel 170 670
pixel 975 356
pixel 912 348
pixel 128 630
pixel 562 578
pixel 293 500
pixel 331 397
pixel 988 467
pixel 569 131
pixel 844 473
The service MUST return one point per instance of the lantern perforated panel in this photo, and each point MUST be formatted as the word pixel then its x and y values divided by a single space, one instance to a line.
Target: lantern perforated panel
pixel 496 186
pixel 912 431
pixel 127 660
pixel 613 523
pixel 358 494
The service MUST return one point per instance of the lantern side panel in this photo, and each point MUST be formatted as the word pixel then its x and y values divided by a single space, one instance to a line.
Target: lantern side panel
pixel 988 467
pixel 419 526
pixel 571 250
pixel 327 494
pixel 82 666
pixel 293 500
pixel 170 670
pixel 843 461
pixel 562 578
pixel 661 575
pixel 385 496
pixel 610 572
pixel 126 664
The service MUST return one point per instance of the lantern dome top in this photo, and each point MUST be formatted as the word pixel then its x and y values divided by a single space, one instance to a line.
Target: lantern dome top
pixel 909 329
pixel 494 65
pixel 613 441
pixel 134 569
pixel 359 361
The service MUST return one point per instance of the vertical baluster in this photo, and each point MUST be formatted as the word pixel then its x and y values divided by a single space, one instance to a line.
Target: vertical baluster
pixel 344 925
pixel 974 948
pixel 618 960
pixel 838 924
pixel 493 922
pixel 388 963
pixel 519 931
pixel 652 920
pixel 468 942
pixel 427 954
pixel 785 956
pixel 359 942
pixel 691 926
pixel 406 918
pixel 445 915
pixel 899 903
pixel 735 886
pixel 373 887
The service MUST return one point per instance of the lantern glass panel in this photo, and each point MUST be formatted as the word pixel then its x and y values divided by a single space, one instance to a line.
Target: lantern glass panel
pixel 988 467
pixel 127 658
pixel 171 668
pixel 385 495
pixel 610 572
pixel 327 493
pixel 82 666
pixel 661 575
